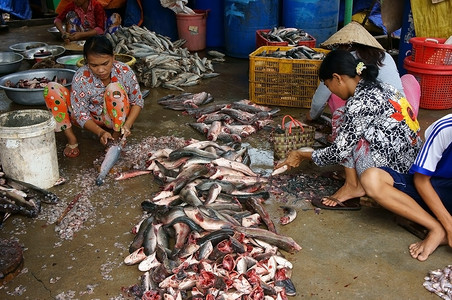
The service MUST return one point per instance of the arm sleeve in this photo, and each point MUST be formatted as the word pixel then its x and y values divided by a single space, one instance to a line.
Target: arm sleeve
pixel 62 16
pixel 437 147
pixel 319 101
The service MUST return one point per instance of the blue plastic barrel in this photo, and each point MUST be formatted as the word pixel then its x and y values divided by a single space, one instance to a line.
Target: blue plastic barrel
pixel 160 19
pixel 242 18
pixel 215 21
pixel 319 18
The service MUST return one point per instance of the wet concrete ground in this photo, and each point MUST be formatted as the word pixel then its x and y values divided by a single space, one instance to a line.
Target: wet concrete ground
pixel 345 255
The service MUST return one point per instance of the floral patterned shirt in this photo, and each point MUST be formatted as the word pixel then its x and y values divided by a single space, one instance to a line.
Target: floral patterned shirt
pixel 87 92
pixel 93 18
pixel 385 120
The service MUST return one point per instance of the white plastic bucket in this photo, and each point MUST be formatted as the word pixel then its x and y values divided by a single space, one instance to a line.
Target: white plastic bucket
pixel 28 148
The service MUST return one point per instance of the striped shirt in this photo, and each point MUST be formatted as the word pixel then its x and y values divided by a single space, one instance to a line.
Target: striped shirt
pixel 435 157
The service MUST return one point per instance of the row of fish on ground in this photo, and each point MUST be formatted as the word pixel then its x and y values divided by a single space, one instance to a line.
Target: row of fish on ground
pixel 224 122
pixel 207 234
pixel 18 197
pixel 161 62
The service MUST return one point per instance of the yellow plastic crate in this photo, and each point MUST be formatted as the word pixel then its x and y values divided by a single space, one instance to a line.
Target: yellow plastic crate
pixel 283 81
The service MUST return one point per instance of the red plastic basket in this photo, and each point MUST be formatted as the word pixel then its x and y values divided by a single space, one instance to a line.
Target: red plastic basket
pixel 262 41
pixel 436 85
pixel 431 51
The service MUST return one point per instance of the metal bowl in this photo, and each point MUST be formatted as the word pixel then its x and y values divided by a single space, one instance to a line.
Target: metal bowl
pixel 125 58
pixel 69 61
pixel 21 47
pixel 29 55
pixel 10 62
pixel 55 32
pixel 33 96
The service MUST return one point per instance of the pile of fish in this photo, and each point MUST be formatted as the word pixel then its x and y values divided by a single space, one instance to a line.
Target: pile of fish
pixel 231 122
pixel 160 62
pixel 223 122
pixel 290 35
pixel 299 52
pixel 17 197
pixel 207 234
pixel 439 282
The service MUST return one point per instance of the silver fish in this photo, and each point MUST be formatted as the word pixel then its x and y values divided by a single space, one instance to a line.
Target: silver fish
pixel 112 156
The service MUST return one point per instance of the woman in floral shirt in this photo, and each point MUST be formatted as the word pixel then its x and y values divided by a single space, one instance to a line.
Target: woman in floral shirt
pixel 105 95
pixel 379 128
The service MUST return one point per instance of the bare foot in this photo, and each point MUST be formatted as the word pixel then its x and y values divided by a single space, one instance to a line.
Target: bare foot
pixel 422 250
pixel 346 192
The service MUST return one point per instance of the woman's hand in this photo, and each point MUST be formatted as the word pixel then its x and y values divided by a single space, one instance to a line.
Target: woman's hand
pixel 75 36
pixel 105 136
pixel 65 37
pixel 125 130
pixel 295 157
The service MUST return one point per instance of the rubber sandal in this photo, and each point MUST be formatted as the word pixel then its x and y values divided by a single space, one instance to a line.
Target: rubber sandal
pixel 351 204
pixel 71 151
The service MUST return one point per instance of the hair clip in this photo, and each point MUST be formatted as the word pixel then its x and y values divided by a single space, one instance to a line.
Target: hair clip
pixel 360 67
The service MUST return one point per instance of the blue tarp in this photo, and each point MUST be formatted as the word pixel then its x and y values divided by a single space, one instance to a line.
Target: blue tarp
pixel 17 8
pixel 374 16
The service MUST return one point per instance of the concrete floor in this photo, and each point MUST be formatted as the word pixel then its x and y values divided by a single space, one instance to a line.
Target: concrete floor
pixel 345 255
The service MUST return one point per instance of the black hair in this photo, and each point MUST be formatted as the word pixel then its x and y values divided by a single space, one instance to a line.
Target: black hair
pixel 369 55
pixel 97 44
pixel 343 62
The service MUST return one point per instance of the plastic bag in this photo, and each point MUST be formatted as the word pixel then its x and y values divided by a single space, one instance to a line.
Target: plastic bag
pixel 178 6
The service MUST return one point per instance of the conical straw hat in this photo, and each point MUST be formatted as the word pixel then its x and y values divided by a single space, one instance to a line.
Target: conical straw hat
pixel 352 33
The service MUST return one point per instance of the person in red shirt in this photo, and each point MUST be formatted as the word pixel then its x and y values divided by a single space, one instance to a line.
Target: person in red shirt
pixel 81 19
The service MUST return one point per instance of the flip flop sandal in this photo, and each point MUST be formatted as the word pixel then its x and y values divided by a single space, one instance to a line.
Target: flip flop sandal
pixel 350 204
pixel 71 151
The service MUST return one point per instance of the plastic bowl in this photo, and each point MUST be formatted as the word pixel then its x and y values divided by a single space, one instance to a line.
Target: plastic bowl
pixel 22 47
pixel 35 96
pixel 125 58
pixel 69 61
pixel 10 62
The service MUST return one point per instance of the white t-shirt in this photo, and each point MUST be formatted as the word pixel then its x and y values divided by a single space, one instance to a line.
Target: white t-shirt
pixel 435 157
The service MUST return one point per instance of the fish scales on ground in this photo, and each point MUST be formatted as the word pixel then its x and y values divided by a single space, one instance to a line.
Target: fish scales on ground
pixel 217 246
pixel 161 62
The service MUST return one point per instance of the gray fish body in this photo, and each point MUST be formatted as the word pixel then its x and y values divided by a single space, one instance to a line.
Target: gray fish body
pixel 139 237
pixel 193 152
pixel 284 242
pixel 112 156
